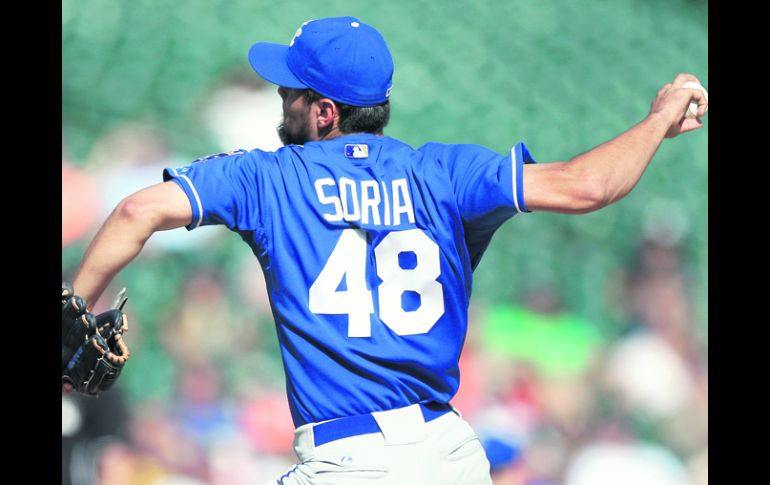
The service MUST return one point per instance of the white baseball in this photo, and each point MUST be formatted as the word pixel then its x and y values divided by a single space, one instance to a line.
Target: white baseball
pixel 692 110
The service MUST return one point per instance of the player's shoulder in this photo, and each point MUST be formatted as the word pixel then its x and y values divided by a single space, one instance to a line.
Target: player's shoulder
pixel 214 156
pixel 286 152
pixel 240 158
pixel 449 152
pixel 255 153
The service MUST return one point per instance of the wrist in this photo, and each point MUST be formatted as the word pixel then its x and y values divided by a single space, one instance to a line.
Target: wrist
pixel 659 122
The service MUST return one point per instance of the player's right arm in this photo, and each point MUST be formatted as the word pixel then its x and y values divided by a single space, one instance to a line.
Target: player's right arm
pixel 120 239
pixel 606 173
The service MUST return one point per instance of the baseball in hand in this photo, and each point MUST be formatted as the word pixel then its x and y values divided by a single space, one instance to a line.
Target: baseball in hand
pixel 692 110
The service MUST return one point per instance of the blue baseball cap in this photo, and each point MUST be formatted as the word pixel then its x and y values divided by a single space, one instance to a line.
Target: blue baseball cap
pixel 341 58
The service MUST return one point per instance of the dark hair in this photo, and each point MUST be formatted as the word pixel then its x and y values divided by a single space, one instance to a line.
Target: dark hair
pixel 357 119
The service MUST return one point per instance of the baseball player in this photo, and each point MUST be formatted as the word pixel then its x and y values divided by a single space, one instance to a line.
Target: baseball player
pixel 368 247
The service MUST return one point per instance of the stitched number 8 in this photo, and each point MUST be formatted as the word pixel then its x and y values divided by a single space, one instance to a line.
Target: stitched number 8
pixel 348 260
pixel 421 280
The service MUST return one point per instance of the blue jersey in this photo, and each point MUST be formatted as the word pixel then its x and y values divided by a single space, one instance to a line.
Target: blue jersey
pixel 368 248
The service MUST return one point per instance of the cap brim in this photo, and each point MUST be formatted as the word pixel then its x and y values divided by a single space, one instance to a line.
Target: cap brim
pixel 269 61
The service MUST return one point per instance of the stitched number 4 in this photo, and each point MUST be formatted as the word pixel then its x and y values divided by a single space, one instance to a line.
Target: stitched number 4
pixel 348 261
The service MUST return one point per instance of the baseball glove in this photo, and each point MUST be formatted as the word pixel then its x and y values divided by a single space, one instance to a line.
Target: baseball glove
pixel 93 352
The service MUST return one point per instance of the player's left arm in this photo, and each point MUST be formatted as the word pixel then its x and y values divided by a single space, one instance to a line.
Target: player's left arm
pixel 606 173
pixel 160 207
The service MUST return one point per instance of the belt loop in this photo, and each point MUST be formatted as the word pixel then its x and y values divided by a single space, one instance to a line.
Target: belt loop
pixel 402 426
pixel 304 445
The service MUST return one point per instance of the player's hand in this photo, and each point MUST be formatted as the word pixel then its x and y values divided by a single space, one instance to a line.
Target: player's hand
pixel 671 104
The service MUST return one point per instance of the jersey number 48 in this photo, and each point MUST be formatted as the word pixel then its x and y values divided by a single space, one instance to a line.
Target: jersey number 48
pixel 348 260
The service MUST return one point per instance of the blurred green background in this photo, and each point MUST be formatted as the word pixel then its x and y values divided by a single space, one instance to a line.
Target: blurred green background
pixel 563 76
pixel 582 327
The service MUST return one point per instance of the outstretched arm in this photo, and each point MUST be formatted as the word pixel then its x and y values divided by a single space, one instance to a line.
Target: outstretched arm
pixel 157 208
pixel 606 173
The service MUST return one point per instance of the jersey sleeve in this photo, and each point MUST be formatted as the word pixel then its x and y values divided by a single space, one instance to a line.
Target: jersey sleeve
pixel 223 189
pixel 488 186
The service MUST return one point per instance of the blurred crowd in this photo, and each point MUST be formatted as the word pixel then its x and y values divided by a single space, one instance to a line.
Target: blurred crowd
pixel 555 398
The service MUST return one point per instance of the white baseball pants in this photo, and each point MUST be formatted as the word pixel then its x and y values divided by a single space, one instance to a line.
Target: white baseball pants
pixel 405 450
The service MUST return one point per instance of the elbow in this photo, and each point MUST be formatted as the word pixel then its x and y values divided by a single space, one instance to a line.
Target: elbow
pixel 138 212
pixel 131 209
pixel 160 207
pixel 592 196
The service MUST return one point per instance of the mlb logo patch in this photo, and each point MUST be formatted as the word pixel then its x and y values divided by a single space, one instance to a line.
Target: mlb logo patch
pixel 357 150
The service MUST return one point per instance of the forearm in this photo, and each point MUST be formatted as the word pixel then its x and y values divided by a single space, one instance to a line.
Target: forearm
pixel 607 173
pixel 615 167
pixel 117 243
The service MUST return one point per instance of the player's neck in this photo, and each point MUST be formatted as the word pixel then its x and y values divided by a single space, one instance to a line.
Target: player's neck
pixel 335 132
pixel 331 134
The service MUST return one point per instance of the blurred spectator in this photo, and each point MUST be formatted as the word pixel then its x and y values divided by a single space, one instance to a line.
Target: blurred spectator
pixel 542 334
pixel 265 419
pixel 547 453
pixel 658 369
pixel 505 462
pixel 655 296
pixel 88 426
pixel 235 462
pixel 252 289
pixel 243 111
pixel 540 357
pixel 473 392
pixel 163 446
pixel 202 407
pixel 129 144
pixel 605 463
pixel 131 157
pixel 80 202
pixel 649 375
pixel 206 323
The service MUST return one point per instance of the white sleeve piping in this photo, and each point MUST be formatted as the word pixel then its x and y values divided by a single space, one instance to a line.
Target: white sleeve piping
pixel 195 193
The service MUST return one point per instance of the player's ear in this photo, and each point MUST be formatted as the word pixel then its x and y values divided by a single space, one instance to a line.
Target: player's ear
pixel 327 112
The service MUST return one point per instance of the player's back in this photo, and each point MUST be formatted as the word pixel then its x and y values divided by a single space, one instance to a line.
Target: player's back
pixel 370 272
pixel 368 248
